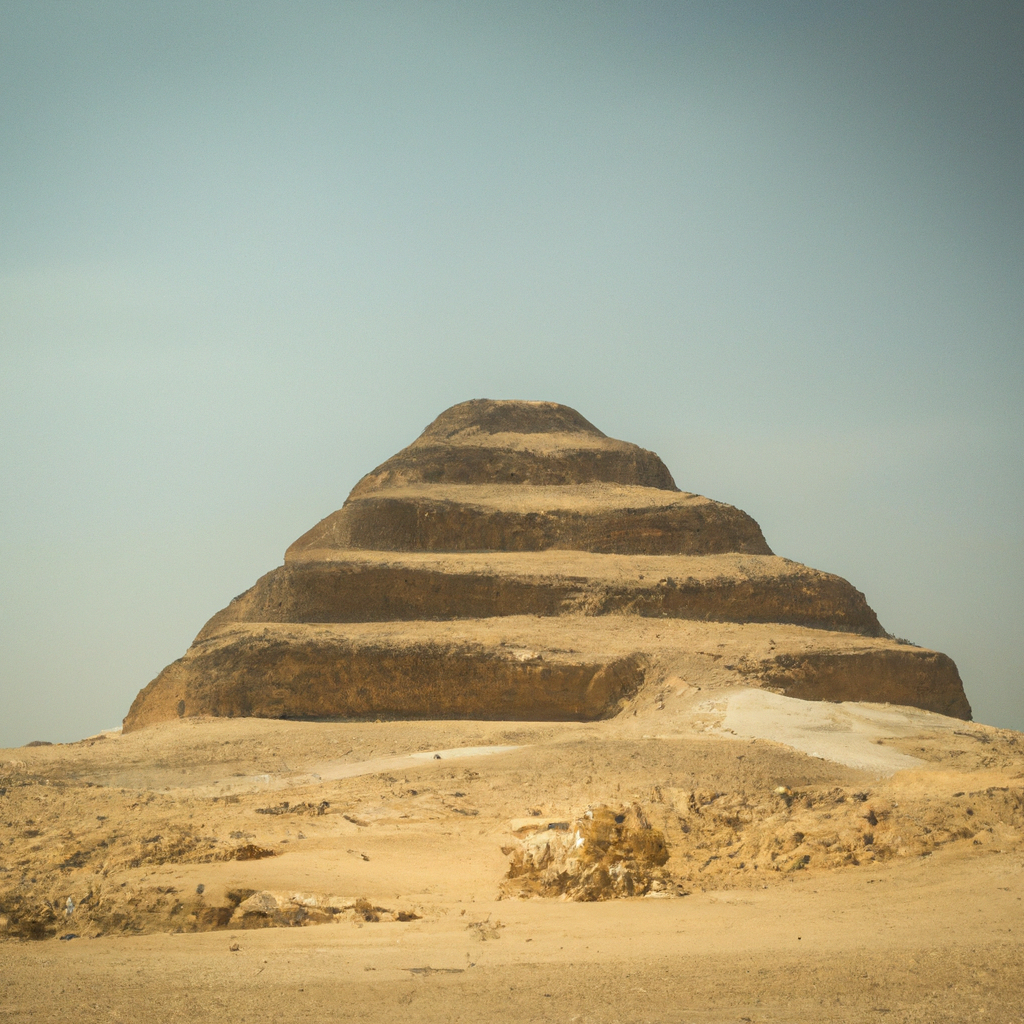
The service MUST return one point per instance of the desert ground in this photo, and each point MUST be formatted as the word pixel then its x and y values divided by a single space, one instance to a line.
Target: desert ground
pixel 825 862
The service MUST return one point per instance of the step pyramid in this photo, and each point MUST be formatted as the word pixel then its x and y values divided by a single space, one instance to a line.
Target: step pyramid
pixel 516 563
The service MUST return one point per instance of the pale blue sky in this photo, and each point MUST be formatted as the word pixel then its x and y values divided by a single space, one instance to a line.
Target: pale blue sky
pixel 248 251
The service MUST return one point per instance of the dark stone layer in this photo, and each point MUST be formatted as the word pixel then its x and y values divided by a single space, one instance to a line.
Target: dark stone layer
pixel 360 591
pixel 423 463
pixel 910 675
pixel 422 524
pixel 267 676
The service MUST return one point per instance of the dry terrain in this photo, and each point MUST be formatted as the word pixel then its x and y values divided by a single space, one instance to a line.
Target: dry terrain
pixel 825 862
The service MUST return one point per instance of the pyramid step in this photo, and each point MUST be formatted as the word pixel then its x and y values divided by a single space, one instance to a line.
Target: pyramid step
pixel 291 671
pixel 525 668
pixel 372 586
pixel 622 520
pixel 434 464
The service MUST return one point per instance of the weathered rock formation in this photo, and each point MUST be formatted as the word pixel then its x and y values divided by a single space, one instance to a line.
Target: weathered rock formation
pixel 514 562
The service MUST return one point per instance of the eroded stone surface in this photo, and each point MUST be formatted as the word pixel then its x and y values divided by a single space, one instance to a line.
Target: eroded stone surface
pixel 371 586
pixel 290 671
pixel 468 519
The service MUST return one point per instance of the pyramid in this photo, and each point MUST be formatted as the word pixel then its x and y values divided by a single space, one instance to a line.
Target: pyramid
pixel 516 563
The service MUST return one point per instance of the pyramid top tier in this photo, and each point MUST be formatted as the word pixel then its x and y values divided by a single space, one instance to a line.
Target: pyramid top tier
pixel 526 476
pixel 495 442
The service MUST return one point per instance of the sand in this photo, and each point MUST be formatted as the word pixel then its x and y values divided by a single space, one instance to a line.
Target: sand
pixel 923 924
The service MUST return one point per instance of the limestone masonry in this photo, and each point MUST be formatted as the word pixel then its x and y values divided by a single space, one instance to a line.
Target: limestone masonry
pixel 513 562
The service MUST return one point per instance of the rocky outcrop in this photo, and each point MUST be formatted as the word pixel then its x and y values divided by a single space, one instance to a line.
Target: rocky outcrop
pixel 514 562
pixel 605 853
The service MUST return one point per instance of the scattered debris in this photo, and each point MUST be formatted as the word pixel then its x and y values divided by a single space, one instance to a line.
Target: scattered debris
pixel 367 911
pixel 486 929
pixel 259 903
pixel 605 854
pixel 247 852
pixel 315 810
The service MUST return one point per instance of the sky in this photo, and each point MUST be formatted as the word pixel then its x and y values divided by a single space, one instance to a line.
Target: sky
pixel 248 251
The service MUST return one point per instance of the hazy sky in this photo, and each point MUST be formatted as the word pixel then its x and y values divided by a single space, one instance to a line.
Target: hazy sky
pixel 248 251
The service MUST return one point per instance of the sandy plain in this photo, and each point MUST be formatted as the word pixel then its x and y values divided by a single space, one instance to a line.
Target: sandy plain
pixel 828 862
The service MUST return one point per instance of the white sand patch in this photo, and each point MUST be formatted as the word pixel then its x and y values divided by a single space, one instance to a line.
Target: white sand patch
pixel 847 733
